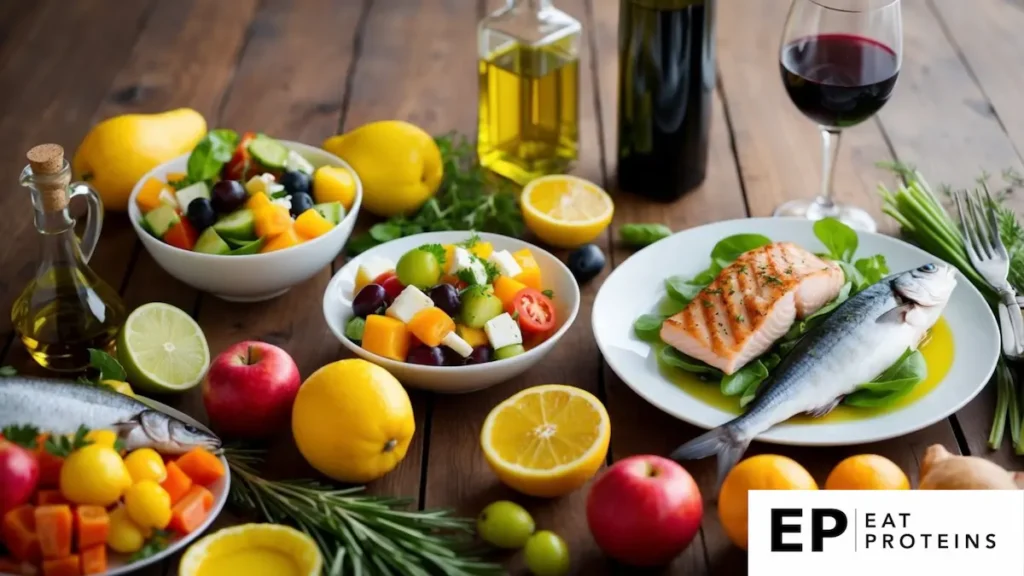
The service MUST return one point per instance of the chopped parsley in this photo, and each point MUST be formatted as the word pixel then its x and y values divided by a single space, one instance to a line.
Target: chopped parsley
pixel 769 279
pixel 24 435
pixel 715 291
pixel 548 293
pixel 739 318
pixel 470 242
pixel 743 269
pixel 437 250
pixel 706 303
pixel 63 446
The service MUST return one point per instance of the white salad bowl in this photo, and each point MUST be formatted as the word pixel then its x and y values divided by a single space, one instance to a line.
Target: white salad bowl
pixel 253 277
pixel 638 284
pixel 455 379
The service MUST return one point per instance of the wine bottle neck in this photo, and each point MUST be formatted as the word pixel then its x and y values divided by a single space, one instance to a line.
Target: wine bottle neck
pixel 532 5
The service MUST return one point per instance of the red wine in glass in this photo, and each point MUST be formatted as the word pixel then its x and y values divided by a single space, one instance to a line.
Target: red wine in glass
pixel 838 80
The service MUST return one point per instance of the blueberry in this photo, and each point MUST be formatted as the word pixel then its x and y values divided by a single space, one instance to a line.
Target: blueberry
pixel 295 182
pixel 300 203
pixel 201 214
pixel 586 262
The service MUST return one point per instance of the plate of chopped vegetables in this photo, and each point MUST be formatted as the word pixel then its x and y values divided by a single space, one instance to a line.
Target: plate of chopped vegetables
pixel 452 311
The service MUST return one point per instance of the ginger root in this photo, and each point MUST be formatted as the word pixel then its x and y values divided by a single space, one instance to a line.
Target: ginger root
pixel 941 470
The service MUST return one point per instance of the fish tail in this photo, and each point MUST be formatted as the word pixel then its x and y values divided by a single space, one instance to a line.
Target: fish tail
pixel 727 442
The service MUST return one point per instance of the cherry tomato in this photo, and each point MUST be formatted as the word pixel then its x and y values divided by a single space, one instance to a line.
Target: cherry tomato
pixel 392 288
pixel 536 311
pixel 379 280
pixel 240 167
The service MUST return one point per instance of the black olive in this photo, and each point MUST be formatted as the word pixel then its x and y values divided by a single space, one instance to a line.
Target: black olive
pixel 295 182
pixel 586 262
pixel 201 214
pixel 300 203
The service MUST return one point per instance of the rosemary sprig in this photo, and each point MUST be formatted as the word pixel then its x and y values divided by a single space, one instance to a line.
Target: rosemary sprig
pixel 359 534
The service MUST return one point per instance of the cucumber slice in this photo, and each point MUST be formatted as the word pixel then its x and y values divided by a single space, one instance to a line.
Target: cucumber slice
pixel 239 225
pixel 268 152
pixel 190 193
pixel 161 219
pixel 333 212
pixel 509 351
pixel 297 163
pixel 149 229
pixel 209 242
pixel 250 248
pixel 479 306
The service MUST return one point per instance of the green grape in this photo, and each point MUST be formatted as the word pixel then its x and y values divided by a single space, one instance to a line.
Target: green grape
pixel 505 524
pixel 547 554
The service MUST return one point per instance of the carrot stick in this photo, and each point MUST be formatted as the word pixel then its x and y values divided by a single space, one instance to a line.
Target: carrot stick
pixel 177 482
pixel 201 466
pixel 53 525
pixel 18 533
pixel 92 526
pixel 94 559
pixel 191 511
pixel 66 566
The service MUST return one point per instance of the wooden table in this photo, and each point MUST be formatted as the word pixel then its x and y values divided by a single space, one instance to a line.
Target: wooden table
pixel 307 69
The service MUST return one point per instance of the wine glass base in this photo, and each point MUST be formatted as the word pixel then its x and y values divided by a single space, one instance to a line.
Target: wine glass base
pixel 852 216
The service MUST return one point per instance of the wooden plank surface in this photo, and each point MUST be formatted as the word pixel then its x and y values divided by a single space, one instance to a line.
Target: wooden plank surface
pixel 337 64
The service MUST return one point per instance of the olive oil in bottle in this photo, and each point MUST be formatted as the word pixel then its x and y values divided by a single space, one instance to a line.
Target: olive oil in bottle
pixel 66 309
pixel 529 90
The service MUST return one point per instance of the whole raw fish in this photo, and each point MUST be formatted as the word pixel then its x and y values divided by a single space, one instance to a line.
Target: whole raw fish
pixel 861 339
pixel 60 407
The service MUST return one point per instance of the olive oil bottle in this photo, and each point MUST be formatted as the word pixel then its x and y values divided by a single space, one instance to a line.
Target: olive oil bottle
pixel 66 308
pixel 529 90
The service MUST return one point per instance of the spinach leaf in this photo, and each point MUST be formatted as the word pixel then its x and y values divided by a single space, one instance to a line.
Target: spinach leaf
pixel 770 361
pixel 872 268
pixel 648 327
pixel 853 276
pixel 385 232
pixel 802 327
pixel 839 238
pixel 729 249
pixel 677 359
pixel 643 234
pixel 739 381
pixel 891 385
pixel 109 367
pixel 682 289
pixel 669 306
pixel 354 329
pixel 211 153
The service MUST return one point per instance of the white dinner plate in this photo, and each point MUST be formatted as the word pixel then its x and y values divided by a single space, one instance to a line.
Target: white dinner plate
pixel 637 285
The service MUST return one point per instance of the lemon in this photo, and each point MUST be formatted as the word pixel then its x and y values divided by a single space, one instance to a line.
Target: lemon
pixel 123 535
pixel 566 211
pixel 352 421
pixel 763 472
pixel 253 549
pixel 148 505
pixel 94 474
pixel 867 472
pixel 162 349
pixel 399 164
pixel 146 464
pixel 547 440
pixel 334 184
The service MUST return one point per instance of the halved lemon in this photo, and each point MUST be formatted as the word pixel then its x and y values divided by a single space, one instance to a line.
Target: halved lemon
pixel 547 440
pixel 253 550
pixel 566 211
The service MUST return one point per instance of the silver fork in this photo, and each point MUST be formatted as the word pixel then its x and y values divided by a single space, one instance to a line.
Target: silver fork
pixel 980 229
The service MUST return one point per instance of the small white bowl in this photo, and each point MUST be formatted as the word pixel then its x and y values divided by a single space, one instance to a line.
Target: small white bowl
pixel 454 379
pixel 253 277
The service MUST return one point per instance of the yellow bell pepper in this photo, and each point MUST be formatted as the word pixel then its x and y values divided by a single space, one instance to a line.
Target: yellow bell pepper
pixel 173 177
pixel 473 336
pixel 482 250
pixel 430 326
pixel 285 239
pixel 449 256
pixel 271 220
pixel 386 336
pixel 531 271
pixel 149 196
pixel 505 289
pixel 311 224
pixel 257 201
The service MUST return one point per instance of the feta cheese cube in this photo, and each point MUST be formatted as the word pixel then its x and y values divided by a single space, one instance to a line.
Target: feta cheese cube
pixel 409 303
pixel 167 197
pixel 461 260
pixel 263 183
pixel 465 261
pixel 460 346
pixel 506 264
pixel 370 269
pixel 503 331
pixel 286 202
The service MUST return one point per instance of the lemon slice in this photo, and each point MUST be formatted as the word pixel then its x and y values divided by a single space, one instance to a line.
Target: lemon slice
pixel 253 549
pixel 162 349
pixel 547 440
pixel 566 211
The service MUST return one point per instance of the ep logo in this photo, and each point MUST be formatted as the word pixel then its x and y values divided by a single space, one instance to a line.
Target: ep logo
pixel 788 525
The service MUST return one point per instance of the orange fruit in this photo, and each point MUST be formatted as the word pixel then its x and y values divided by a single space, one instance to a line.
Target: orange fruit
pixel 763 472
pixel 867 472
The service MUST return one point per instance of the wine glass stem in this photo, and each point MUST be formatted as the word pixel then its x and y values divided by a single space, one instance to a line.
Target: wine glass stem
pixel 829 153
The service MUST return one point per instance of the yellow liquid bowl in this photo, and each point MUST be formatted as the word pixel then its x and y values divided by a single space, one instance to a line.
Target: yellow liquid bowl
pixel 253 550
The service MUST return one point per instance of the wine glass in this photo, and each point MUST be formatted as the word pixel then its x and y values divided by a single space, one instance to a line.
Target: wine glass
pixel 839 61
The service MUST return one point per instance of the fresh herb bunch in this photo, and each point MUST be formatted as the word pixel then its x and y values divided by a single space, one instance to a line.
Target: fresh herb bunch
pixel 925 221
pixel 467 199
pixel 359 534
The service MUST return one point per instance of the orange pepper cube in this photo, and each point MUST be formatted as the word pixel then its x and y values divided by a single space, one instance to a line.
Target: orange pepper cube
pixel 173 177
pixel 311 224
pixel 286 239
pixel 531 271
pixel 505 289
pixel 257 200
pixel 431 325
pixel 149 195
pixel 271 220
pixel 386 336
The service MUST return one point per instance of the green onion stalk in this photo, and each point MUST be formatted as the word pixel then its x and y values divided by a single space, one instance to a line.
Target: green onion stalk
pixel 925 222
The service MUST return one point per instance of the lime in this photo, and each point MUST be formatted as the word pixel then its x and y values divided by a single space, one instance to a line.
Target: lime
pixel 162 349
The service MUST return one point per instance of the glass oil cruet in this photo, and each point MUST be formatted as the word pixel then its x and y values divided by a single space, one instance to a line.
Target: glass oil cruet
pixel 66 309
pixel 529 90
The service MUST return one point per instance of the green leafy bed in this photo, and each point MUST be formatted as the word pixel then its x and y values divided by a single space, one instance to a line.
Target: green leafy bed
pixel 840 243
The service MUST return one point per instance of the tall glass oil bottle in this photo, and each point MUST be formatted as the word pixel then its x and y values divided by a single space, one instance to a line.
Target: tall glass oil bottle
pixel 529 90
pixel 66 309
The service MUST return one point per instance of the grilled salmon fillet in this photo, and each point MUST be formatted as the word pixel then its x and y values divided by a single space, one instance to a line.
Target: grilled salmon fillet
pixel 752 303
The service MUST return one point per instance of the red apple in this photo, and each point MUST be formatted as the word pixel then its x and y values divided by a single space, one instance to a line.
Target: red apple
pixel 19 475
pixel 644 510
pixel 249 390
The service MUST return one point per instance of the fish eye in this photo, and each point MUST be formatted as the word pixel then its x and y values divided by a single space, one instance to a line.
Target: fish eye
pixel 927 268
pixel 191 429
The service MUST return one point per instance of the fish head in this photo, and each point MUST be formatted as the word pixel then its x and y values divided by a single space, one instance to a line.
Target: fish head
pixel 927 289
pixel 167 434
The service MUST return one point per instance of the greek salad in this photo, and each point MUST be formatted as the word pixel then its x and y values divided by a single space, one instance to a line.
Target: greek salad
pixel 244 195
pixel 451 305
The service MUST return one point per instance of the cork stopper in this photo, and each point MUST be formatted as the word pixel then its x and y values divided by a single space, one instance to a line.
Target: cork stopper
pixel 47 162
